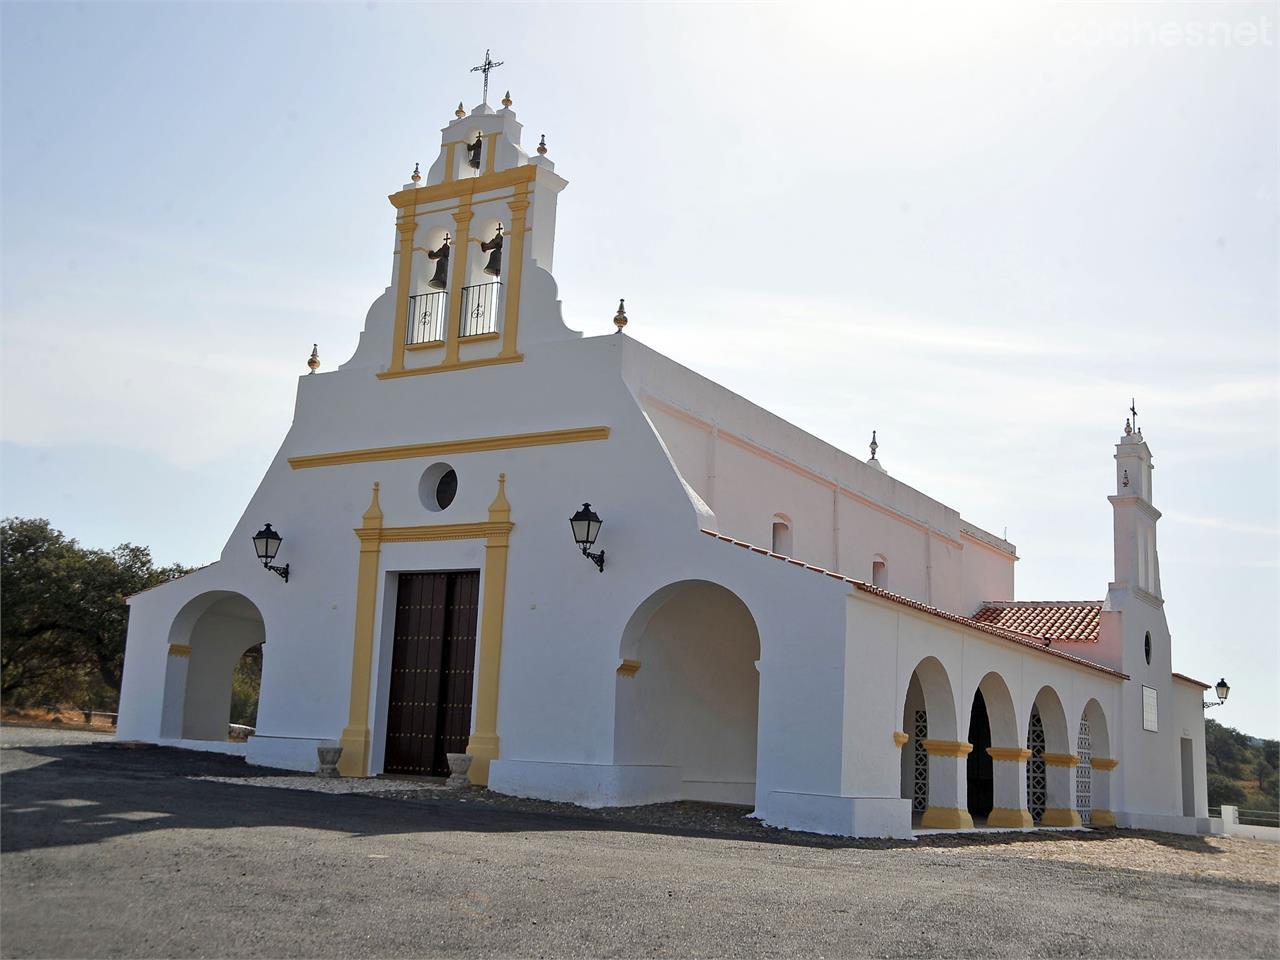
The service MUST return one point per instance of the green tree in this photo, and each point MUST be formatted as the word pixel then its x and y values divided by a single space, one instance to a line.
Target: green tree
pixel 64 618
pixel 1222 790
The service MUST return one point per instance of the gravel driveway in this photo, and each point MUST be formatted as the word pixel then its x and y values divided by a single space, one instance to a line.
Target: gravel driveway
pixel 117 852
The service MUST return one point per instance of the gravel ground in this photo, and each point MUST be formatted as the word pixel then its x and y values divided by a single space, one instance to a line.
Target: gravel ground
pixel 1149 852
pixel 157 852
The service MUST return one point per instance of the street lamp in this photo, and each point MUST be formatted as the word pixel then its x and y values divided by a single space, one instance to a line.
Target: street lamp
pixel 1222 689
pixel 586 527
pixel 266 543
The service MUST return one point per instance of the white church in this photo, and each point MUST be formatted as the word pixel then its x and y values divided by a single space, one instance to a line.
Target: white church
pixel 758 618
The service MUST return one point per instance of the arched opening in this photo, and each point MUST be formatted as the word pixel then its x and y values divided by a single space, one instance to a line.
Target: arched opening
pixel 1051 768
pixel 980 771
pixel 996 778
pixel 933 761
pixel 208 640
pixel 781 539
pixel 880 572
pixel 246 685
pixel 1093 770
pixel 688 693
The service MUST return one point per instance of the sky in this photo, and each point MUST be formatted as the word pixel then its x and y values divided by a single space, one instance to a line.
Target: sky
pixel 978 229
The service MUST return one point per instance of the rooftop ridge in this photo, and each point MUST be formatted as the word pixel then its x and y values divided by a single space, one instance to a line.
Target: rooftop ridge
pixel 1027 640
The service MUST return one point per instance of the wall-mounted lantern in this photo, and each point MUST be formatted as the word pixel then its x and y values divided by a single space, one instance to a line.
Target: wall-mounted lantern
pixel 1222 689
pixel 266 543
pixel 586 527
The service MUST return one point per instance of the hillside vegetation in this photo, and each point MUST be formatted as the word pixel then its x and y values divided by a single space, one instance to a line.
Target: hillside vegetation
pixel 1242 769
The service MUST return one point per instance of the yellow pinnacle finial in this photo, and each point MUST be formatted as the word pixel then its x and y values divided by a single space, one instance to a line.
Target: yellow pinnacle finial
pixel 506 100
pixel 542 146
pixel 314 360
pixel 620 318
pixel 459 113
pixel 415 176
pixel 500 509
pixel 373 516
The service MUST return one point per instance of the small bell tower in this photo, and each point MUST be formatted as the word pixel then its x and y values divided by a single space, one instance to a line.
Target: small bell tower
pixel 1134 517
pixel 470 282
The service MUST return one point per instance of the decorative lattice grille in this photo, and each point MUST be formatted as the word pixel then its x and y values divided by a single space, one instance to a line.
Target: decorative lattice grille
pixel 920 784
pixel 1036 787
pixel 1084 773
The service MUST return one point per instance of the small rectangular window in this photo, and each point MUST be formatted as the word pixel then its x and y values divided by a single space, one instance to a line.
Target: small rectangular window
pixel 1149 709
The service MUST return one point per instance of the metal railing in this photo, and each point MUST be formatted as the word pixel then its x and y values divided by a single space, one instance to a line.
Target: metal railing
pixel 480 309
pixel 1258 818
pixel 427 313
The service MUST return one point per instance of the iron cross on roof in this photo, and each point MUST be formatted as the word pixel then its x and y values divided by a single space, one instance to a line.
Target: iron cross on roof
pixel 484 68
pixel 1133 409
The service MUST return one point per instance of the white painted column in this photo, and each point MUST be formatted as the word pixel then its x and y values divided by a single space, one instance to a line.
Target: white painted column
pixel 1009 808
pixel 1060 790
pixel 948 785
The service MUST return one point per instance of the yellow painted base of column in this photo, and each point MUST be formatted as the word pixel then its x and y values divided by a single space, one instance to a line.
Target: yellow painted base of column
pixel 1102 818
pixel 1058 817
pixel 354 761
pixel 1007 817
pixel 946 818
pixel 482 748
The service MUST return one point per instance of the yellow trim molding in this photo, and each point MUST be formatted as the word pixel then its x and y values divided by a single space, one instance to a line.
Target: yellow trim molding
pixel 1103 763
pixel 437 344
pixel 496 532
pixel 405 227
pixel 629 668
pixel 412 451
pixel 1061 760
pixel 1009 753
pixel 899 738
pixel 468 187
pixel 1058 817
pixel 1008 817
pixel 947 748
pixel 1102 818
pixel 946 818
pixel 179 650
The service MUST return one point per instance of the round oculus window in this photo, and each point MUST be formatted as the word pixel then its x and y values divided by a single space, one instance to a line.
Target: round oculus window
pixel 438 487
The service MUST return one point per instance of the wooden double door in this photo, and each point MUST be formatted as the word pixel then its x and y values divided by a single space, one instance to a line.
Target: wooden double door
pixel 432 669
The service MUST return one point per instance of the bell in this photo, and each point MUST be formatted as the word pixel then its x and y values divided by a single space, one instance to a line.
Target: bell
pixel 440 280
pixel 494 248
pixel 474 150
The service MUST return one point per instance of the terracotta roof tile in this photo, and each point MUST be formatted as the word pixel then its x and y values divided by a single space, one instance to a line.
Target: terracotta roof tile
pixel 1060 620
pixel 1031 642
pixel 1199 683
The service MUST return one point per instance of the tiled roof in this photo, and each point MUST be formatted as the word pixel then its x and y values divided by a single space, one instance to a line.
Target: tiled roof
pixel 1047 619
pixel 1199 683
pixel 1031 642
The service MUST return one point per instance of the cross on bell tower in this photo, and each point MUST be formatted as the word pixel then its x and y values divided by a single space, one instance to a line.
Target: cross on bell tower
pixel 484 68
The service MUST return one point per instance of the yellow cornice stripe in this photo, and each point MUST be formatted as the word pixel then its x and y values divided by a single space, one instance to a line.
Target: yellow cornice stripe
pixel 899 738
pixel 411 451
pixel 179 650
pixel 482 530
pixel 947 748
pixel 414 196
pixel 1008 753
pixel 1104 763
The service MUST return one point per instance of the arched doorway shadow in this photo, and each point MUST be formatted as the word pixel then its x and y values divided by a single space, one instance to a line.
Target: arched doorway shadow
pixel 1051 768
pixel 1093 768
pixel 688 690
pixel 933 759
pixel 996 767
pixel 207 639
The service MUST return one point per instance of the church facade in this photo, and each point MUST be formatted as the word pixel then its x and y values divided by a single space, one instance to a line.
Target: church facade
pixel 760 618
